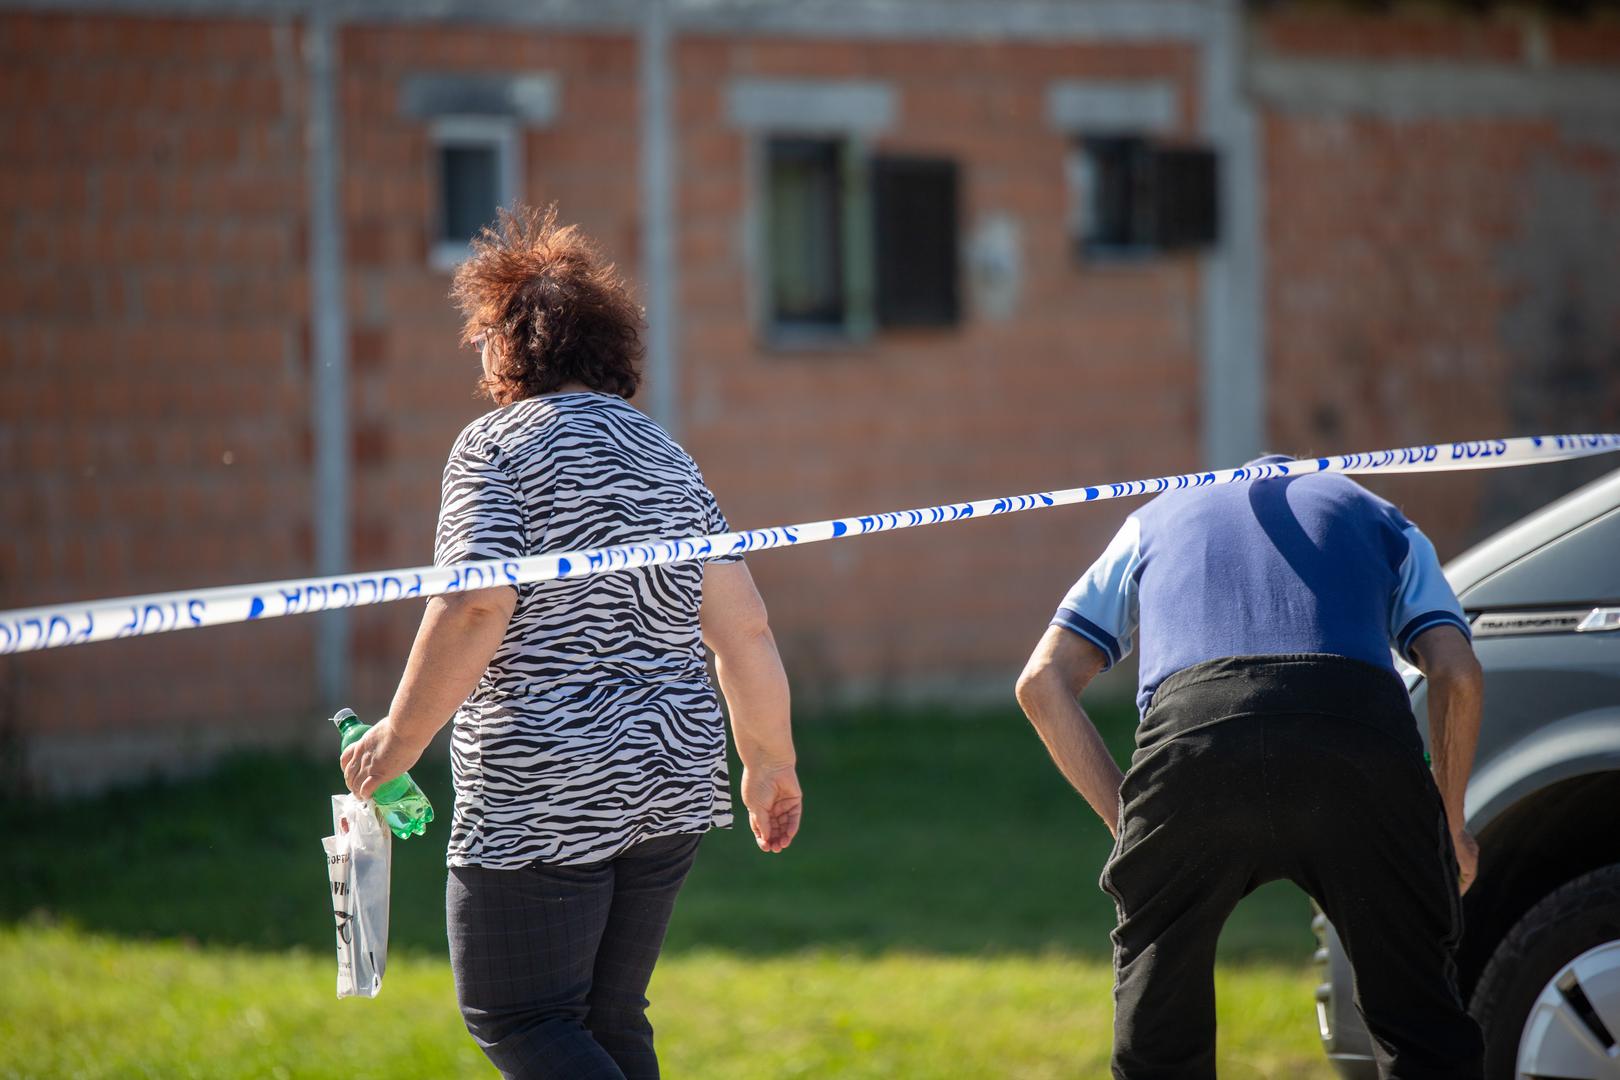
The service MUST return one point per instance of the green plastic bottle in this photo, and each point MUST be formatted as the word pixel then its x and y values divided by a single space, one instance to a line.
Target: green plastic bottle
pixel 404 807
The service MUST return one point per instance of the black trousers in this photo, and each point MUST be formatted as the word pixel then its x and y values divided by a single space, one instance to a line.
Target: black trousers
pixel 552 962
pixel 1308 768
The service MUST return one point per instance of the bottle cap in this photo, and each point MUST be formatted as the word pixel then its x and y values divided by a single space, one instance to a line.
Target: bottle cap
pixel 342 715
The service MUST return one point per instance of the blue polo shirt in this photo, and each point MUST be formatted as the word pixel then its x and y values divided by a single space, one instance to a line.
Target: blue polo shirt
pixel 1304 564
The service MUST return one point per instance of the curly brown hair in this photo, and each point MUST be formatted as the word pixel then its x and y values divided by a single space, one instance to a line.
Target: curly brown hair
pixel 554 309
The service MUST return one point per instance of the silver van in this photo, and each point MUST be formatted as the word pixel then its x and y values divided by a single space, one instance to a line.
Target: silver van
pixel 1539 962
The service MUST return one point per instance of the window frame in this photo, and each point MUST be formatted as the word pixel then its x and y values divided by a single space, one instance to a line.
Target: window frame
pixel 499 133
pixel 855 243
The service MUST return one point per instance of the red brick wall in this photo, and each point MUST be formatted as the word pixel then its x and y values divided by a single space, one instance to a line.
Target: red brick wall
pixel 1425 279
pixel 412 383
pixel 154 325
pixel 1095 377
pixel 1441 277
pixel 153 372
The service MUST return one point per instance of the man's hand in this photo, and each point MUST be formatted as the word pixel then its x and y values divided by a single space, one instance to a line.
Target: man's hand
pixel 775 805
pixel 376 758
pixel 1467 849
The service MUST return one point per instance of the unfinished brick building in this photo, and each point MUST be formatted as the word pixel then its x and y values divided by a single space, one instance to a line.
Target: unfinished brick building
pixel 892 253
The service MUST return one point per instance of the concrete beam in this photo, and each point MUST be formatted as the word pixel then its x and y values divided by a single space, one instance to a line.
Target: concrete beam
pixel 658 179
pixel 1033 20
pixel 1233 322
pixel 329 340
pixel 1413 91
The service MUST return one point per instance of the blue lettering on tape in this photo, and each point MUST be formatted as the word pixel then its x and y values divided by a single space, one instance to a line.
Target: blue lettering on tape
pixel 55 627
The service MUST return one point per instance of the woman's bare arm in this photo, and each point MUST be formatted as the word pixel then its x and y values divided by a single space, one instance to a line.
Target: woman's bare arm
pixel 458 636
pixel 736 628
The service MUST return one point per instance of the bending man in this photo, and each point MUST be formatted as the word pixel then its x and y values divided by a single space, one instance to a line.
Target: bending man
pixel 1276 741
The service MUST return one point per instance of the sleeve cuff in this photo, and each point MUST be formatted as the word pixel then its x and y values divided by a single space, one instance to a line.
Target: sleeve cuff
pixel 1428 621
pixel 1073 621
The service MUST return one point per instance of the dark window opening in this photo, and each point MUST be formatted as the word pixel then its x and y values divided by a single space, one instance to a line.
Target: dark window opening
pixel 1135 196
pixel 469 190
pixel 805 217
pixel 1185 214
pixel 914 212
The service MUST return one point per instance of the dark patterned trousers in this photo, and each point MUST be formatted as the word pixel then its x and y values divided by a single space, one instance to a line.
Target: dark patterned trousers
pixel 552 962
pixel 1308 768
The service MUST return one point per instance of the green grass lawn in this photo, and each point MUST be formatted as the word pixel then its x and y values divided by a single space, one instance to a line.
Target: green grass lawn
pixel 938 917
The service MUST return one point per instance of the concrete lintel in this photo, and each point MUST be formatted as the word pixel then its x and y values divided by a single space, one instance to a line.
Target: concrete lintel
pixel 1095 106
pixel 1411 91
pixel 1039 20
pixel 812 105
pixel 527 98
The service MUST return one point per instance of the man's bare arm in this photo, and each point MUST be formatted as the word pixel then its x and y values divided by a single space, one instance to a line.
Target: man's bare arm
pixel 1049 689
pixel 1456 699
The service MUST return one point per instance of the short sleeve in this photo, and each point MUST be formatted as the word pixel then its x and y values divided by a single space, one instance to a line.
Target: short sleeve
pixel 715 522
pixel 1102 605
pixel 480 510
pixel 1423 598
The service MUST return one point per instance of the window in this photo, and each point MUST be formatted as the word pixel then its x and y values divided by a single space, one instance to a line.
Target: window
pixel 854 243
pixel 807 210
pixel 1134 196
pixel 477 172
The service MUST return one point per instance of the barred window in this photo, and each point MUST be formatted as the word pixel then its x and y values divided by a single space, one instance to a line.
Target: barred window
pixel 1134 196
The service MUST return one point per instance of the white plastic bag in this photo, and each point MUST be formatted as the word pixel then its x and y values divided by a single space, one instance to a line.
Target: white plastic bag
pixel 359 858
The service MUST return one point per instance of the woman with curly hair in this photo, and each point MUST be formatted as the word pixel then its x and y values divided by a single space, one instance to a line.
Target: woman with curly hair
pixel 588 750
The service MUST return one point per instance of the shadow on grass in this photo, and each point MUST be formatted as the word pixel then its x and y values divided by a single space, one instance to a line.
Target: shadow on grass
pixel 924 832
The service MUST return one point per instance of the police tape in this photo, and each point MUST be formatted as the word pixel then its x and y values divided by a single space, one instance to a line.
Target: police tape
pixel 33 629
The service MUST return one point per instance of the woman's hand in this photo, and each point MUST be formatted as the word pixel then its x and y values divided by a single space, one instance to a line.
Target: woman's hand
pixel 775 805
pixel 376 758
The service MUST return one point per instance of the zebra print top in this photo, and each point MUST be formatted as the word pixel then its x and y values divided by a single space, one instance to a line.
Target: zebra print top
pixel 595 726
